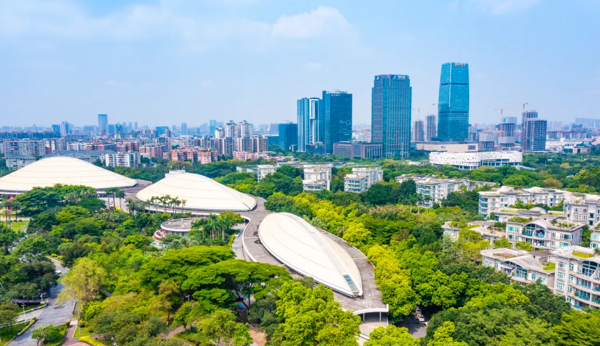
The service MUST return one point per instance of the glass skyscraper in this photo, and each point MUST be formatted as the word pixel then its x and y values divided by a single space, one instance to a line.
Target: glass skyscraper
pixel 288 136
pixel 391 114
pixel 103 122
pixel 335 118
pixel 453 105
pixel 308 122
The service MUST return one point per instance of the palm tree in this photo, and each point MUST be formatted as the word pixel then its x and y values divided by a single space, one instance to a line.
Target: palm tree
pixel 121 194
pixel 183 203
pixel 177 203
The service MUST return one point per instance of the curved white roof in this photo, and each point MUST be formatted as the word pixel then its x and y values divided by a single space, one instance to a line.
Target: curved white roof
pixel 304 249
pixel 200 193
pixel 62 170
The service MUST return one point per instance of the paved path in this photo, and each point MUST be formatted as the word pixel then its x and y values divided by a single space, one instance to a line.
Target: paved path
pixel 51 315
pixel 29 315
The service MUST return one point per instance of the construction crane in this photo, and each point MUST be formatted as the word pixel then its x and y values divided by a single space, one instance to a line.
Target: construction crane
pixel 519 103
pixel 502 111
pixel 418 113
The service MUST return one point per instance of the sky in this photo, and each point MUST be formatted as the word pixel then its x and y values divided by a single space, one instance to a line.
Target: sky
pixel 164 62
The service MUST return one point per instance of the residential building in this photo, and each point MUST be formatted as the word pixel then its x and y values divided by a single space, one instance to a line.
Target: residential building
pixel 476 160
pixel 103 123
pixel 577 276
pixel 24 147
pixel 453 103
pixel 288 136
pixel 391 114
pixel 430 127
pixel 491 202
pixel 362 178
pixel 418 131
pixel 336 110
pixel 581 207
pixel 544 232
pixel 487 229
pixel 533 132
pixel 434 190
pixel 151 151
pixel 507 138
pixel 308 122
pixel 521 266
pixel 317 177
pixel 122 159
pixel 19 161
pixel 264 170
pixel 358 150
pixel 194 155
pixel 258 144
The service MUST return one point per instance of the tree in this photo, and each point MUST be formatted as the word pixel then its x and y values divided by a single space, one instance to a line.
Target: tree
pixel 523 245
pixel 391 336
pixel 312 317
pixel 357 234
pixel 502 244
pixel 579 329
pixel 83 282
pixel 220 328
pixel 9 313
pixel 8 238
pixel 443 336
pixel 47 334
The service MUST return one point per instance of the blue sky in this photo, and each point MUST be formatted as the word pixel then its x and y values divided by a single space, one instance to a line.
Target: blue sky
pixel 163 62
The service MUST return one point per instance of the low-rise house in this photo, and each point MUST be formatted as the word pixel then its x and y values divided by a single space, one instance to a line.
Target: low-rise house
pixel 578 276
pixel 522 266
pixel 487 229
pixel 317 177
pixel 544 232
pixel 491 202
pixel 362 178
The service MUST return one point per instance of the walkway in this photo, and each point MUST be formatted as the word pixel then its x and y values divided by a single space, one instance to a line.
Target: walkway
pixel 52 315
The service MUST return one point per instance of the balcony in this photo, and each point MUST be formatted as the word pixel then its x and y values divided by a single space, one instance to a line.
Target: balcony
pixel 582 296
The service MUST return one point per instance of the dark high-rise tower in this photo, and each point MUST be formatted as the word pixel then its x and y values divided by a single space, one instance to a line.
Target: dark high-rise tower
pixel 533 132
pixel 430 127
pixel 103 122
pixel 335 118
pixel 418 131
pixel 391 108
pixel 453 104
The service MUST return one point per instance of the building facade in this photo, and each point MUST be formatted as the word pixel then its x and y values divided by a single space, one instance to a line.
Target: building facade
pixel 122 159
pixel 391 109
pixel 336 109
pixel 476 160
pixel 507 137
pixel 505 197
pixel 288 136
pixel 24 147
pixel 430 128
pixel 317 177
pixel 521 266
pixel 453 103
pixel 578 276
pixel 534 135
pixel 358 150
pixel 418 131
pixel 362 178
pixel 103 123
pixel 546 232
pixel 308 122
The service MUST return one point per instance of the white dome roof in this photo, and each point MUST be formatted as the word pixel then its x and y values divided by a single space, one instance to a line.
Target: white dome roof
pixel 304 249
pixel 62 170
pixel 200 193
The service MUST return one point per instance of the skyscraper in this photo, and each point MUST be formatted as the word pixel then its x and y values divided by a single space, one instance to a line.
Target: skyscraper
pixel 430 128
pixel 418 131
pixel 453 104
pixel 65 129
pixel 391 114
pixel 288 136
pixel 507 137
pixel 308 122
pixel 184 129
pixel 103 122
pixel 335 118
pixel 533 132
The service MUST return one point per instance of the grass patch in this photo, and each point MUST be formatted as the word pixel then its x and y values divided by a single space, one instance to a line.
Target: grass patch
pixel 18 225
pixel 80 332
pixel 550 267
pixel 8 333
pixel 582 254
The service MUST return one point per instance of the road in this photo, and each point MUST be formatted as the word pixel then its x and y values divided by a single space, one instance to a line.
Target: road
pixel 51 315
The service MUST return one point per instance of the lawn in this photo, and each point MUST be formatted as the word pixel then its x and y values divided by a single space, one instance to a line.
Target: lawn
pixel 81 332
pixel 8 333
pixel 18 225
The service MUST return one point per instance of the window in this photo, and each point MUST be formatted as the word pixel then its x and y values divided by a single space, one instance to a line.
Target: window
pixel 571 278
pixel 570 289
pixel 571 266
pixel 560 287
pixel 561 265
pixel 533 277
pixel 565 244
pixel 560 275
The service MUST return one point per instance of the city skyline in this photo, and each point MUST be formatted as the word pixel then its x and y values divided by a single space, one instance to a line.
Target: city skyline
pixel 55 71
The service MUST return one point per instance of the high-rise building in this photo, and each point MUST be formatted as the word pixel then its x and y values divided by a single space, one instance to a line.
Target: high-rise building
pixel 212 126
pixel 418 131
pixel 391 114
pixel 533 132
pixel 487 141
pixel 308 122
pixel 135 125
pixel 103 122
pixel 430 127
pixel 65 129
pixel 56 128
pixel 161 130
pixel 288 136
pixel 230 130
pixel 453 104
pixel 244 129
pixel 507 137
pixel 184 129
pixel 335 118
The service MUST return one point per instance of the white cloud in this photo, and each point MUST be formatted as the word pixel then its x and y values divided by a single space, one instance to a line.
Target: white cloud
pixel 503 7
pixel 169 19
pixel 316 23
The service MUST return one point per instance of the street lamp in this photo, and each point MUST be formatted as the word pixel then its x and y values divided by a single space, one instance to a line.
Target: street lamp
pixel 188 298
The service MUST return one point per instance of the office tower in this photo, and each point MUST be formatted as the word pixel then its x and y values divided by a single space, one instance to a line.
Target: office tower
pixel 212 126
pixel 162 130
pixel 184 129
pixel 507 137
pixel 335 124
pixel 135 125
pixel 103 122
pixel 487 141
pixel 308 122
pixel 453 104
pixel 56 128
pixel 65 129
pixel 430 128
pixel 418 131
pixel 472 134
pixel 288 136
pixel 533 132
pixel 391 114
pixel 274 129
pixel 111 129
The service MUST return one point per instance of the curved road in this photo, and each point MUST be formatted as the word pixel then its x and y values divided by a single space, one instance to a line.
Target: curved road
pixel 52 315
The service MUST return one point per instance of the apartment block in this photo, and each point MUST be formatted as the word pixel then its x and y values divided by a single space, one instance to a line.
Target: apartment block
pixel 317 177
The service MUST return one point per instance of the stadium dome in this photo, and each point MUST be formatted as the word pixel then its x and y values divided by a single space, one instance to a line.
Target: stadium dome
pixel 307 251
pixel 62 170
pixel 199 192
